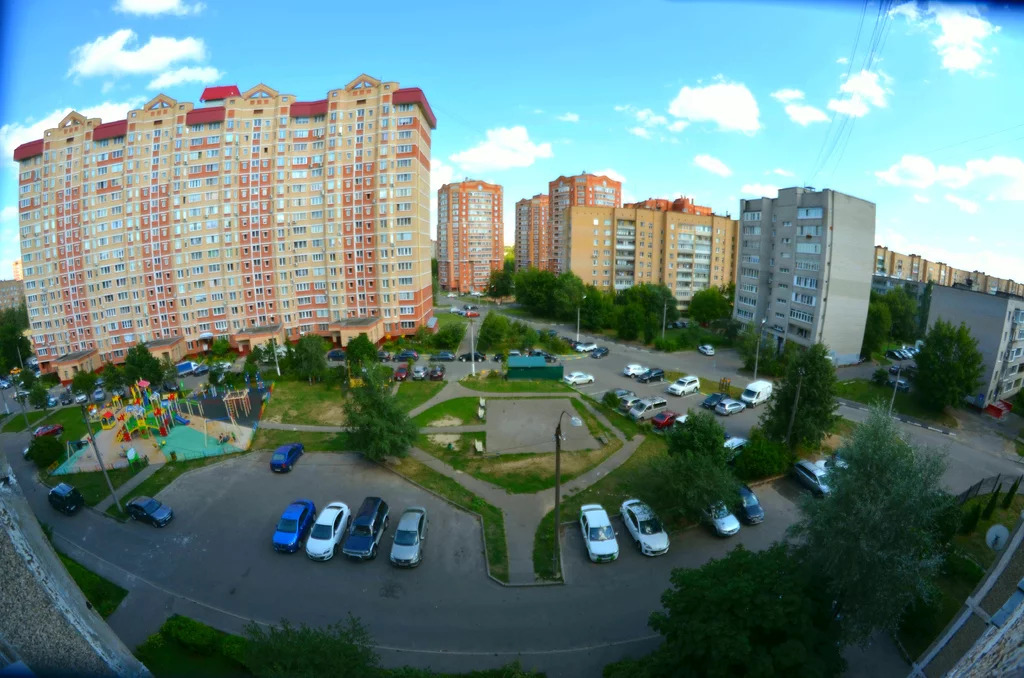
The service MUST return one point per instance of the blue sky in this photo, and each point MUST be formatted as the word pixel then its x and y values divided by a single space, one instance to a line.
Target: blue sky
pixel 916 107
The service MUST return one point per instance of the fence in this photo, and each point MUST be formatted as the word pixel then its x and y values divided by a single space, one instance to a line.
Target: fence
pixel 988 486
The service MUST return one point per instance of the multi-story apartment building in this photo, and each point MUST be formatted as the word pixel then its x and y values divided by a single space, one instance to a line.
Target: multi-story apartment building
pixel 470 235
pixel 256 216
pixel 614 248
pixel 805 268
pixel 564 192
pixel 12 293
pixel 532 232
pixel 678 205
pixel 16 266
pixel 912 267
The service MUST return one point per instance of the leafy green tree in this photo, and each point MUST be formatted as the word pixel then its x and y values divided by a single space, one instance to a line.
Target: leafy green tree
pixel 949 366
pixel 168 371
pixel 817 406
pixel 876 542
pixel 38 396
pixel 449 337
pixel 762 458
pixel 569 291
pixel 1012 494
pixel 84 382
pixel 493 331
pixel 501 283
pixel 708 305
pixel 45 450
pixel 220 348
pixel 139 363
pixel 876 329
pixel 339 649
pixel 923 308
pixel 113 376
pixel 28 379
pixel 11 341
pixel 598 309
pixel 754 614
pixel 700 434
pixel 380 428
pixel 629 321
pixel 535 291
pixel 310 358
pixel 360 352
pixel 903 310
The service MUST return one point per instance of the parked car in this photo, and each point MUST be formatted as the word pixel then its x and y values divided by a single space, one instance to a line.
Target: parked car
pixel 895 369
pixel 721 519
pixel 475 357
pixel 202 369
pixel 419 372
pixel 446 356
pixel 437 373
pixel 336 354
pixel 402 373
pixel 706 349
pixel 284 457
pixel 120 391
pixel 65 498
pixel 900 384
pixel 81 398
pixel 48 430
pixel 368 526
pixel 712 400
pixel 633 370
pixel 149 510
pixel 5 384
pixel 813 476
pixel 627 402
pixel 647 408
pixel 684 386
pixel 757 392
pixel 663 420
pixel 585 347
pixel 599 352
pixel 469 307
pixel 294 525
pixel 750 508
pixel 328 529
pixel 643 526
pixel 452 295
pixel 66 398
pixel 98 396
pixel 383 356
pixel 620 392
pixel 728 407
pixel 734 446
pixel 411 532
pixel 894 354
pixel 474 293
pixel 680 420
pixel 598 534
pixel 577 378
pixel 407 355
pixel 472 314
pixel 652 375
pixel 51 401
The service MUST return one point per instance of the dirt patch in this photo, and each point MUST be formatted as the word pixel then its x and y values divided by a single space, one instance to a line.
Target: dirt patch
pixel 447 420
pixel 443 439
pixel 543 463
pixel 832 442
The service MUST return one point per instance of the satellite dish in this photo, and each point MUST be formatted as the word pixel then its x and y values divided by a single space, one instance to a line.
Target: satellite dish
pixel 996 537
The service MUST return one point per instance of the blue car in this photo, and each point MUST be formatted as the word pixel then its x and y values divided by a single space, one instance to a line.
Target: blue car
pixel 294 526
pixel 284 457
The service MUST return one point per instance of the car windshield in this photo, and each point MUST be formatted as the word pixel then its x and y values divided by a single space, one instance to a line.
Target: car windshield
pixel 322 531
pixel 602 533
pixel 151 506
pixel 288 525
pixel 650 526
pixel 749 500
pixel 749 394
pixel 719 511
pixel 361 530
pixel 279 456
pixel 405 538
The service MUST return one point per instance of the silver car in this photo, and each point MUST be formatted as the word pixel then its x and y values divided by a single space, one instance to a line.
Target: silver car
pixel 407 549
pixel 419 373
pixel 813 476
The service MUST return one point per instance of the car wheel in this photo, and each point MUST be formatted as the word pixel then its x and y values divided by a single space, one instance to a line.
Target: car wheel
pixel 636 542
pixel 386 521
pixel 132 516
pixel 373 552
pixel 290 467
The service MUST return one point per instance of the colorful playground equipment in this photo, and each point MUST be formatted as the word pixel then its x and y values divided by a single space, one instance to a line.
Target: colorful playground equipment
pixel 145 413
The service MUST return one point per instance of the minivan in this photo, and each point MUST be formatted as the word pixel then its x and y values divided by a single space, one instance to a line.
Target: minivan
pixel 756 393
pixel 366 529
pixel 647 408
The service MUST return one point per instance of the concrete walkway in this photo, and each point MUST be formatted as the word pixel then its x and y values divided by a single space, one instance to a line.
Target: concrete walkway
pixel 277 426
pixel 128 486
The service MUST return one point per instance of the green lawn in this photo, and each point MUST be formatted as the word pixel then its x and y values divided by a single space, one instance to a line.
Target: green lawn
pixel 298 402
pixel 269 439
pixel 104 595
pixel 457 412
pixel 69 417
pixel 163 477
pixel 923 622
pixel 867 392
pixel 708 385
pixel 689 338
pixel 973 544
pixel 412 394
pixel 16 422
pixel 621 421
pixel 165 656
pixel 445 319
pixel 494 521
pixel 495 384
pixel 92 485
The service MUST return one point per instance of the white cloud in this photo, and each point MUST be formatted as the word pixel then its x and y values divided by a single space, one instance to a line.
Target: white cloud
pixel 922 198
pixel 201 74
pixel 107 86
pixel 8 213
pixel 650 118
pixel 787 95
pixel 538 111
pixel 805 115
pixel 862 89
pixel 118 54
pixel 712 164
pixel 1000 262
pixel 920 172
pixel 678 126
pixel 569 117
pixel 641 132
pixel 842 60
pixel 962 32
pixel 611 174
pixel 153 7
pixel 782 172
pixel 731 106
pixel 761 190
pixel 965 205
pixel 504 147
pixel 649 121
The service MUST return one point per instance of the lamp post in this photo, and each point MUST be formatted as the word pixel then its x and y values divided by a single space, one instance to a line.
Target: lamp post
pixel 575 421
pixel 99 460
pixel 895 385
pixel 796 403
pixel 664 315
pixel 472 349
pixel 578 307
pixel 273 346
pixel 757 354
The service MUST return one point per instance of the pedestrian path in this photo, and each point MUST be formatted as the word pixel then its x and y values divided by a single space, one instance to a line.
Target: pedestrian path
pixel 278 426
pixel 128 486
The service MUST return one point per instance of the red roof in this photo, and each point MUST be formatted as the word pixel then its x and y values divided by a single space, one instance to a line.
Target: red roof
pixel 28 150
pixel 414 95
pixel 306 109
pixel 220 92
pixel 109 130
pixel 198 116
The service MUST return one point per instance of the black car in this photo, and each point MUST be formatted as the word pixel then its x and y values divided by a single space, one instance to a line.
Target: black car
pixel 476 357
pixel 599 352
pixel 170 387
pixel 651 375
pixel 149 510
pixel 551 333
pixel 498 357
pixel 366 529
pixel 437 373
pixel 750 510
pixel 66 499
pixel 336 354
pixel 202 369
pixel 469 307
pixel 445 356
pixel 66 398
pixel 407 355
pixel 383 356
pixel 711 402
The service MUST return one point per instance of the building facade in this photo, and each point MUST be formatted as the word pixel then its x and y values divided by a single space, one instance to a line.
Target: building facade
pixel 256 215
pixel 684 205
pixel 16 266
pixel 564 192
pixel 532 232
pixel 12 293
pixel 805 268
pixel 614 248
pixel 470 235
pixel 915 268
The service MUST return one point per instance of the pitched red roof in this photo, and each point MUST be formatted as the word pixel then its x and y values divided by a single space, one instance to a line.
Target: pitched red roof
pixel 414 95
pixel 109 130
pixel 220 92
pixel 29 149
pixel 306 109
pixel 198 116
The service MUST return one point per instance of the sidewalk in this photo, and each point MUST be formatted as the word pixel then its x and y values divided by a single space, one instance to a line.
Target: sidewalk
pixel 277 426
pixel 130 485
pixel 900 417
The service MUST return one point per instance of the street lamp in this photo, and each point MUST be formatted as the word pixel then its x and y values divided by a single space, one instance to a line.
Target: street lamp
pixel 895 385
pixel 580 305
pixel 796 403
pixel 575 421
pixel 99 460
pixel 757 354
pixel 472 349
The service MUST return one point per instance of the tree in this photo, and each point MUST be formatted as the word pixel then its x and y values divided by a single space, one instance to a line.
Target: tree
pixel 139 363
pixel 923 308
pixel 535 291
pixel 220 348
pixel 750 613
pixel 568 297
pixel 168 370
pixel 708 305
pixel 598 309
pixel 310 358
pixel 45 450
pixel 338 649
pixel 360 352
pixel 380 427
pixel 762 458
pixel 816 409
pixel 28 379
pixel 949 366
pixel 449 336
pixel 12 341
pixel 700 434
pixel 501 283
pixel 493 331
pixel 113 376
pixel 84 382
pixel 876 540
pixel 628 321
pixel 876 329
pixel 903 310
pixel 39 396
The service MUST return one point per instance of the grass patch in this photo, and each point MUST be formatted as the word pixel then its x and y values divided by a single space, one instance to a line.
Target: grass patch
pixel 16 422
pixel 609 491
pixel 881 359
pixel 867 392
pixel 104 594
pixel 298 402
pixel 924 621
pixel 493 383
pixel 445 319
pixel 689 338
pixel 164 476
pixel 92 485
pixel 185 647
pixel 973 544
pixel 621 421
pixel 493 520
pixel 708 385
pixel 412 394
pixel 456 412
pixel 269 439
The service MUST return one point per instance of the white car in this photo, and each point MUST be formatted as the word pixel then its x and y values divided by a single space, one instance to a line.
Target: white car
pixel 684 385
pixel 598 534
pixel 328 530
pixel 722 520
pixel 476 294
pixel 734 446
pixel 585 347
pixel 633 370
pixel 225 365
pixel 706 349
pixel 643 526
pixel 577 378
pixel 452 295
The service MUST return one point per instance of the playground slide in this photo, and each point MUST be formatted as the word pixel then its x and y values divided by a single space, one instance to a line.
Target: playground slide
pixel 180 420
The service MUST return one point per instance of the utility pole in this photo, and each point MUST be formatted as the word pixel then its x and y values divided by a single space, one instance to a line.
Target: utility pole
pixel 757 353
pixel 575 421
pixel 277 366
pixel 895 385
pixel 796 403
pixel 472 349
pixel 664 314
pixel 578 306
pixel 99 460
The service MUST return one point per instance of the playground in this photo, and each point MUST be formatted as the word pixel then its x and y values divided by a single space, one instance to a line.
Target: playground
pixel 149 427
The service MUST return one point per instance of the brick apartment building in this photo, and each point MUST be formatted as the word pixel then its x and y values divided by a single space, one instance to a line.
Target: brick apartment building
pixel 565 192
pixel 254 216
pixel 531 232
pixel 470 235
pixel 12 293
pixel 16 266
pixel 891 267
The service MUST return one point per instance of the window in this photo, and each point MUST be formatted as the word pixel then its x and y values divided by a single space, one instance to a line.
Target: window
pixel 751 216
pixel 808 248
pixel 808 299
pixel 801 316
pixel 809 213
pixel 809 283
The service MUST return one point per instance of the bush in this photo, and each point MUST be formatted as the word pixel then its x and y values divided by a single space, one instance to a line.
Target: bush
pixel 970 520
pixel 45 451
pixel 191 634
pixel 610 399
pixel 991 505
pixel 666 344
pixel 762 458
pixel 880 376
pixel 1008 499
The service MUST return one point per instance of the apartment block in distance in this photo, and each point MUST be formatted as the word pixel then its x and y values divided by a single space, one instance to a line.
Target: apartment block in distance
pixel 12 293
pixel 565 192
pixel 532 232
pixel 893 269
pixel 253 216
pixel 614 248
pixel 470 235
pixel 805 268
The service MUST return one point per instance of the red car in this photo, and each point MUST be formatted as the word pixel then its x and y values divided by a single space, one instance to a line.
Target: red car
pixel 402 373
pixel 48 430
pixel 664 420
pixel 472 314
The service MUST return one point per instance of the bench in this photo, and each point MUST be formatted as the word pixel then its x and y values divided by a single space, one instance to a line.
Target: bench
pixel 478 446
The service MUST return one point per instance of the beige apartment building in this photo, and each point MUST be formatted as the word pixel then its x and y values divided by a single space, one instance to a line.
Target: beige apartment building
pixel 565 192
pixel 12 293
pixel 253 216
pixel 532 232
pixel 470 235
pixel 16 266
pixel 892 267
pixel 614 248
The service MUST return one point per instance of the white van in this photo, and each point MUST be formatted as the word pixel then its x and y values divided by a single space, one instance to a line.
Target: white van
pixel 647 408
pixel 756 393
